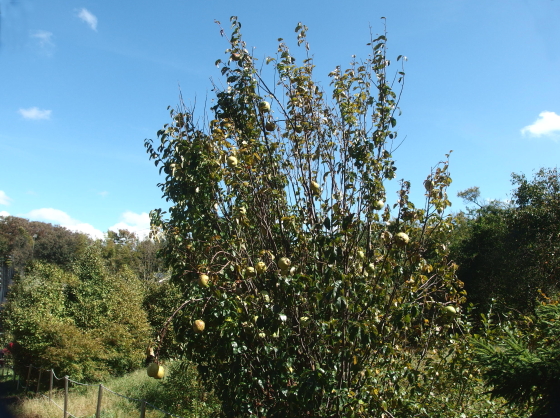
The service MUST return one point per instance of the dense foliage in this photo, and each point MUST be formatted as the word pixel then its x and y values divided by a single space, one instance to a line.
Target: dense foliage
pixel 521 365
pixel 308 294
pixel 124 248
pixel 83 322
pixel 298 286
pixel 22 241
pixel 509 252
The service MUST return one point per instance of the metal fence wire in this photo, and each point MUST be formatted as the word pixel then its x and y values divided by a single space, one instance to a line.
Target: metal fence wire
pixel 52 377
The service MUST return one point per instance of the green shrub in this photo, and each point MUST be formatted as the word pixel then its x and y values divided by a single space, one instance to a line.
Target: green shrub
pixel 83 323
pixel 522 364
pixel 160 302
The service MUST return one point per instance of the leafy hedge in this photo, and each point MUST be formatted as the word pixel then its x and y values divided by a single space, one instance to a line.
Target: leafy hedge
pixel 84 322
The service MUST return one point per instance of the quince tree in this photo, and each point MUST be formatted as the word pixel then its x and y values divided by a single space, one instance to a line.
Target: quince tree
pixel 324 296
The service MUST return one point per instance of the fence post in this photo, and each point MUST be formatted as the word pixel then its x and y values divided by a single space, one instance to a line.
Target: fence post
pixel 143 410
pixel 39 380
pixel 65 396
pixel 51 384
pixel 28 377
pixel 99 397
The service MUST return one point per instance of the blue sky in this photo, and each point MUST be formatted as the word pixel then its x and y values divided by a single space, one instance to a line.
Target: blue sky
pixel 83 83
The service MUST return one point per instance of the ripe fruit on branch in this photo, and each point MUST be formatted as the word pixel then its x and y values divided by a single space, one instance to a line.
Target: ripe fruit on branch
pixel 270 126
pixel 232 161
pixel 315 187
pixel 203 280
pixel 261 267
pixel 152 369
pixel 370 268
pixel 159 373
pixel 235 56
pixel 378 205
pixel 450 310
pixel 250 272
pixel 284 264
pixel 401 239
pixel 198 326
pixel 428 185
pixel 264 106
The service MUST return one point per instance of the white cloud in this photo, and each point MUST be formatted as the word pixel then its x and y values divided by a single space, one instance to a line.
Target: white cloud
pixel 89 18
pixel 4 213
pixel 134 222
pixel 547 124
pixel 35 113
pixel 44 38
pixel 61 218
pixel 4 198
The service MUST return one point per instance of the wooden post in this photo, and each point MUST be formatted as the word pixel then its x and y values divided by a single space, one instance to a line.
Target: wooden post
pixel 28 377
pixel 65 396
pixel 39 380
pixel 99 397
pixel 51 384
pixel 143 410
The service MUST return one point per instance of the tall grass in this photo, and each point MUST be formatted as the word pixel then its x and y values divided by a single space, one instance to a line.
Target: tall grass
pixel 188 400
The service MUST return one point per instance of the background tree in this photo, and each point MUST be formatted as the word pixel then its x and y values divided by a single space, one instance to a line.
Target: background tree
pixel 84 322
pixel 510 252
pixel 26 240
pixel 313 297
pixel 124 248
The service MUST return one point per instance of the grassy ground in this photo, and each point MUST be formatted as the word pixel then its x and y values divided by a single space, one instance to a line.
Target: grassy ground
pixel 82 400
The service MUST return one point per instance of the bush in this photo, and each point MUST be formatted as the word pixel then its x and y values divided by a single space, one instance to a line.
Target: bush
pixel 83 323
pixel 510 252
pixel 521 365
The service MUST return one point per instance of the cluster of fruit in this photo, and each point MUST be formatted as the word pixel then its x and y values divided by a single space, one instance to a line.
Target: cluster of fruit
pixel 284 264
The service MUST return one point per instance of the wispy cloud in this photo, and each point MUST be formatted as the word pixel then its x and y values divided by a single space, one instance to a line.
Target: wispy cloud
pixel 139 223
pixel 44 40
pixel 61 218
pixel 88 17
pixel 35 113
pixel 103 193
pixel 4 199
pixel 548 123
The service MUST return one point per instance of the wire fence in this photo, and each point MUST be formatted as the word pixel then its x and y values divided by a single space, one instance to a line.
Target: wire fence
pixel 143 404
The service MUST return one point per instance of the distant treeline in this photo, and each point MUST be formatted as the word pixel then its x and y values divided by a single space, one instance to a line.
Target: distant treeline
pixel 22 241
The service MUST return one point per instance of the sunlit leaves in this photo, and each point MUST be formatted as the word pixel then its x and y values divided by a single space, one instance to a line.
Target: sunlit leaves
pixel 299 339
